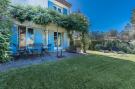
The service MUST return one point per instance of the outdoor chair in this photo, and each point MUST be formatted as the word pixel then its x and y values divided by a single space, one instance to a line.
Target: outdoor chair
pixel 37 49
pixel 23 51
pixel 30 48
pixel 45 50
pixel 49 47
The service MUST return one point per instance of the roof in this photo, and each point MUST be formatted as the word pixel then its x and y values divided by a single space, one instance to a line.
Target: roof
pixel 64 2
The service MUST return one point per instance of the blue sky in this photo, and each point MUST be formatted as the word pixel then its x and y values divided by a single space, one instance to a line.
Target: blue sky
pixel 105 14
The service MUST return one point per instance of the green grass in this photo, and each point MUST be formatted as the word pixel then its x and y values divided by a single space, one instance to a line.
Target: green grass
pixel 87 72
pixel 130 57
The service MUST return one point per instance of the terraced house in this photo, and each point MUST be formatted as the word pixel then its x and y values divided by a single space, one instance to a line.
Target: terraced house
pixel 28 35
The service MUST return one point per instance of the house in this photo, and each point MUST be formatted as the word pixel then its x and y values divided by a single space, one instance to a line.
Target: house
pixel 26 34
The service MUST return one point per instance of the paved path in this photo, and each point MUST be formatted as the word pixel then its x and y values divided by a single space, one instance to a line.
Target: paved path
pixel 21 63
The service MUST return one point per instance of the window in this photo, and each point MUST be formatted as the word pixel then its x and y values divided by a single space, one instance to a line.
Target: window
pixel 65 11
pixel 54 7
pixel 59 40
pixel 59 10
pixel 22 36
pixel 26 36
pixel 30 36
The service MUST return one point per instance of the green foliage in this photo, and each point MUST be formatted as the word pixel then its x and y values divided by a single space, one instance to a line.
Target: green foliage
pixel 82 26
pixel 85 39
pixel 3 6
pixel 42 16
pixel 79 23
pixel 73 22
pixel 114 45
pixel 37 15
pixel 4 46
pixel 5 25
pixel 98 47
pixel 93 44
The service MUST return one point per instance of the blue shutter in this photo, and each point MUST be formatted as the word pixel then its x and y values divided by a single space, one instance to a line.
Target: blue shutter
pixel 50 4
pixel 38 39
pixel 51 41
pixel 38 36
pixel 14 39
pixel 65 11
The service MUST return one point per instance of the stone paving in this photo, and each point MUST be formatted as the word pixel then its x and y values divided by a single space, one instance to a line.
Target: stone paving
pixel 26 62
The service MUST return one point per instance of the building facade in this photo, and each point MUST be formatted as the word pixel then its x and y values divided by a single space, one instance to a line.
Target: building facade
pixel 27 34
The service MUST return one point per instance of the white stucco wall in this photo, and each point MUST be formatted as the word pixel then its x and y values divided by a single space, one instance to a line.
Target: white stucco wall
pixel 42 3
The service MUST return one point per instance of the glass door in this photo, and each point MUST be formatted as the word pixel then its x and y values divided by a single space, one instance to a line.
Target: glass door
pixel 30 37
pixel 22 36
pixel 57 39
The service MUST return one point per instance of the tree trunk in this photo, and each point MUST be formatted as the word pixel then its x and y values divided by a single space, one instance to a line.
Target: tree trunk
pixel 70 35
pixel 83 42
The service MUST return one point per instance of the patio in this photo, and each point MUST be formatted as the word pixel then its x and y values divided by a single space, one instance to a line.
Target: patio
pixel 34 60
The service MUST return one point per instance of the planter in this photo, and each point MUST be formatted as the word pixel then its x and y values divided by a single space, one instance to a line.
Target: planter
pixel 79 50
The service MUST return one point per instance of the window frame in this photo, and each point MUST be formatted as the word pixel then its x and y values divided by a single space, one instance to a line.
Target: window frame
pixel 58 8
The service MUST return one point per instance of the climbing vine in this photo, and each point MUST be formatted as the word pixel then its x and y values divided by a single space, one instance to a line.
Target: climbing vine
pixel 73 22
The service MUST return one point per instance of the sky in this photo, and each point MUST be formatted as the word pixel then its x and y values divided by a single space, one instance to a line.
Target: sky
pixel 105 14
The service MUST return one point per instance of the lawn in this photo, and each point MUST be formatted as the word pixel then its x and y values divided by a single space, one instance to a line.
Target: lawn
pixel 86 72
pixel 130 57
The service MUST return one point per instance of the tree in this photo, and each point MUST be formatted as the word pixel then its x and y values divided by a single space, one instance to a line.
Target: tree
pixel 5 25
pixel 133 17
pixel 76 22
pixel 82 26
pixel 70 24
pixel 113 33
pixel 97 35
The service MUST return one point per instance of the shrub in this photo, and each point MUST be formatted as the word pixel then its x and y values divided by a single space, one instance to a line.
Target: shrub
pixel 92 44
pixel 98 47
pixel 5 25
pixel 114 45
pixel 4 47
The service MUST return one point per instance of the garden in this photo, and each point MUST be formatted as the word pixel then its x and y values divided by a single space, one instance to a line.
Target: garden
pixel 113 46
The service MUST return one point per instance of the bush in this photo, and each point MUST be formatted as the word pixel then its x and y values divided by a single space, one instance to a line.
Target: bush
pixel 98 47
pixel 94 43
pixel 4 47
pixel 114 45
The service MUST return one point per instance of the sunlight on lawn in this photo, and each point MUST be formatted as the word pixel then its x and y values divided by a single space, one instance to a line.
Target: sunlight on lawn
pixel 130 57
